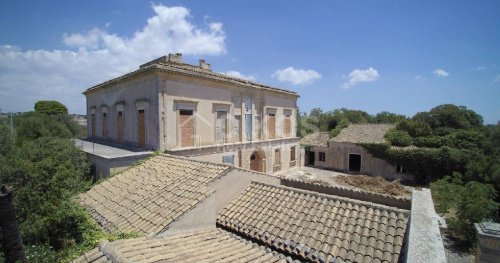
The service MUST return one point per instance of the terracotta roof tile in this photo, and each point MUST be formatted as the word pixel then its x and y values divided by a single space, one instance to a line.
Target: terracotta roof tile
pixel 148 197
pixel 363 133
pixel 210 245
pixel 316 139
pixel 316 227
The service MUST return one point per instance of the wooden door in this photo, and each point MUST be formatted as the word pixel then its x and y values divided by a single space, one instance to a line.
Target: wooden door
pixel 256 162
pixel 92 122
pixel 105 125
pixel 271 126
pixel 141 128
pixel 288 124
pixel 186 122
pixel 120 126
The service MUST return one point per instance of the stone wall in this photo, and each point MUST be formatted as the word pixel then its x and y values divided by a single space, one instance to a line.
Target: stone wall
pixel 423 240
pixel 389 200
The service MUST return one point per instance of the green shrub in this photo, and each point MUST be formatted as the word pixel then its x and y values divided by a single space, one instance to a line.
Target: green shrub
pixel 464 204
pixel 50 107
pixel 40 254
pixel 398 138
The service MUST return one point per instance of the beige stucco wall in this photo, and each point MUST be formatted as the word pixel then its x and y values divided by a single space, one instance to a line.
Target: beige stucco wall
pixel 207 96
pixel 338 158
pixel 128 92
pixel 243 154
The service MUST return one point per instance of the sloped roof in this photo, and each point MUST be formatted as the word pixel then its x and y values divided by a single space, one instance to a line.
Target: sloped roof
pixel 363 133
pixel 191 70
pixel 211 245
pixel 316 139
pixel 317 227
pixel 148 197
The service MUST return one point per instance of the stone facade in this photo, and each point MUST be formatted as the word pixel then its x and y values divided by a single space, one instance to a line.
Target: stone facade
pixel 192 111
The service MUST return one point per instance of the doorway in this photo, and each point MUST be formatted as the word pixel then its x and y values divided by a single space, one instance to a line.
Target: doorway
pixel 310 158
pixel 258 162
pixel 354 162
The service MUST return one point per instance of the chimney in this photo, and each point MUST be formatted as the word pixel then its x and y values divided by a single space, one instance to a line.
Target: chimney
pixel 205 65
pixel 177 58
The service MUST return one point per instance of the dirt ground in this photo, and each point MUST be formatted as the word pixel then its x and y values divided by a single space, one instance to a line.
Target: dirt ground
pixel 367 183
pixel 373 184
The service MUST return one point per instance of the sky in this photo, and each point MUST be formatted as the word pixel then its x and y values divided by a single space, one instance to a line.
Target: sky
pixel 398 56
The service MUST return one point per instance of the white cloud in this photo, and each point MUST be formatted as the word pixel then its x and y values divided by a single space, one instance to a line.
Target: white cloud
pixel 441 72
pixel 496 80
pixel 418 77
pixel 359 76
pixel 296 76
pixel 97 55
pixel 237 74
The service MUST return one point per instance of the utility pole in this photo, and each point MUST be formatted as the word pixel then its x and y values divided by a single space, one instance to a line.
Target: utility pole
pixel 11 124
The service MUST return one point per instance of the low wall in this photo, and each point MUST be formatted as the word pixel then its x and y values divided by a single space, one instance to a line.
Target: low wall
pixel 388 200
pixel 424 242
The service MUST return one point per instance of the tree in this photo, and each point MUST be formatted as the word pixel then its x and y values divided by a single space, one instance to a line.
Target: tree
pixel 450 116
pixel 388 117
pixel 45 174
pixel 34 125
pixel 50 107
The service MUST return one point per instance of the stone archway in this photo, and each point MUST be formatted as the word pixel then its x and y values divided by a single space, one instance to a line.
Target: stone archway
pixel 258 161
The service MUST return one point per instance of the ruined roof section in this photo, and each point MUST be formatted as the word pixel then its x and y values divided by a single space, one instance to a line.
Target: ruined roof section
pixel 148 197
pixel 364 133
pixel 317 227
pixel 316 139
pixel 190 70
pixel 202 246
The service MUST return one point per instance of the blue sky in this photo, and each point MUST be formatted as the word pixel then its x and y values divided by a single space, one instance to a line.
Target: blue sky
pixel 399 56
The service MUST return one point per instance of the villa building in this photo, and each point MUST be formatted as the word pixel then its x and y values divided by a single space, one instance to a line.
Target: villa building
pixel 345 153
pixel 182 109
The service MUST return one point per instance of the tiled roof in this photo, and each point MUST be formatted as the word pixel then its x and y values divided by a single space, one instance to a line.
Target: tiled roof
pixel 148 197
pixel 317 227
pixel 192 71
pixel 212 245
pixel 316 139
pixel 363 133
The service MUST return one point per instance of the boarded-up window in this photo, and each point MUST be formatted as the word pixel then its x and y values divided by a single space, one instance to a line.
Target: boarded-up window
pixel 277 160
pixel 119 122
pixel 221 126
pixel 237 128
pixel 104 125
pixel 257 128
pixel 271 126
pixel 248 126
pixel 92 123
pixel 186 129
pixel 287 126
pixel 292 153
pixel 141 128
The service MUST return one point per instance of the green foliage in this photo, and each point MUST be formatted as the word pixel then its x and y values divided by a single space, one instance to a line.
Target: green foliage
pixel 465 204
pixel 50 107
pixel 40 253
pixel 34 125
pixel 450 116
pixel 398 138
pixel 341 125
pixel 415 128
pixel 45 173
pixel 6 140
pixel 388 117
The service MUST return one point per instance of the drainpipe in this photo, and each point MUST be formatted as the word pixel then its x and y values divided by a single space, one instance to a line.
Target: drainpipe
pixel 11 240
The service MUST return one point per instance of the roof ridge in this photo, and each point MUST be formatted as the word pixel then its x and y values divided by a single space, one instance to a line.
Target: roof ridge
pixel 333 197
